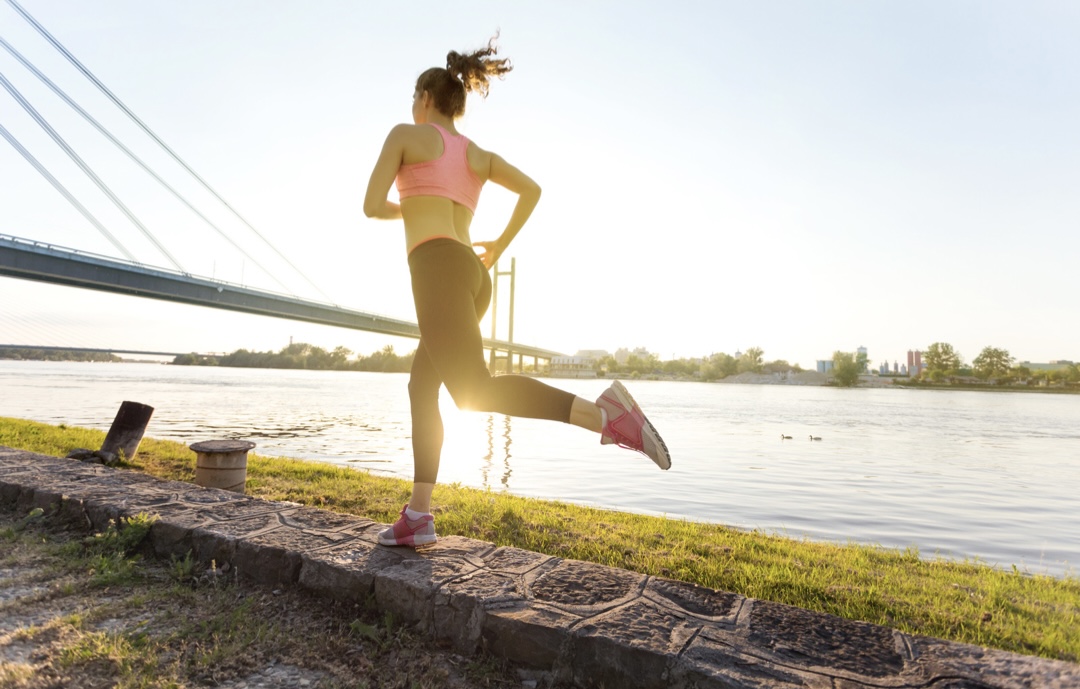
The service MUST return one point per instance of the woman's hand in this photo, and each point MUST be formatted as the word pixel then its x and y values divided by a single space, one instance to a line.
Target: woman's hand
pixel 490 254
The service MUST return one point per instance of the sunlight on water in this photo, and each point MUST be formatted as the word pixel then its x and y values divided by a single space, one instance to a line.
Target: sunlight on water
pixel 992 476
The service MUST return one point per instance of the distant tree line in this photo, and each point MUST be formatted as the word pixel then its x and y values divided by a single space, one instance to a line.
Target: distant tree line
pixel 301 355
pixel 993 366
pixel 27 354
pixel 943 365
pixel 713 367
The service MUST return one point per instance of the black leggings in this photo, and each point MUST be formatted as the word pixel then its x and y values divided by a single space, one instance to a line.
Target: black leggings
pixel 452 290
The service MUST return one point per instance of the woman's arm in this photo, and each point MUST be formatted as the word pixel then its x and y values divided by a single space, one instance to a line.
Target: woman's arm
pixel 376 204
pixel 506 175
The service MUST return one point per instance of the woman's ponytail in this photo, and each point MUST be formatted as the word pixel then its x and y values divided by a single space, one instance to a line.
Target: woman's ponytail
pixel 464 74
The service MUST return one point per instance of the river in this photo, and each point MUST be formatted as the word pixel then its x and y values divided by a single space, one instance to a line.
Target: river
pixel 990 476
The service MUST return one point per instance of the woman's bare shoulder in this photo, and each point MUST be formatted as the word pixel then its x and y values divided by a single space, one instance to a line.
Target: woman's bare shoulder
pixel 416 143
pixel 405 131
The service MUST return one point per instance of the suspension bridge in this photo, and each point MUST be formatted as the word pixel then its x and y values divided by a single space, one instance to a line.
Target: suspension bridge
pixel 34 260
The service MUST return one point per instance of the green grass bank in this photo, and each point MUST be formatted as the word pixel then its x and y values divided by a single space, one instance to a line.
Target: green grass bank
pixel 961 601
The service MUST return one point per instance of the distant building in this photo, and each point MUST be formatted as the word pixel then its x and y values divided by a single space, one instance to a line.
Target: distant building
pixel 597 354
pixel 914 363
pixel 573 367
pixel 1057 365
pixel 622 354
pixel 890 369
pixel 864 356
pixel 824 365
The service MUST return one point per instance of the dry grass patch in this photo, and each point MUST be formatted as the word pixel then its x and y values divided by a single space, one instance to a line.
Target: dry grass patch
pixel 175 624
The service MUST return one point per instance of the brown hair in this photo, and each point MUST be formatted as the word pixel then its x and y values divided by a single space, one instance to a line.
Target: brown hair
pixel 463 74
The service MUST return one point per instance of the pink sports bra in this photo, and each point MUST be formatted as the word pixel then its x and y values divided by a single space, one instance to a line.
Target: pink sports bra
pixel 448 176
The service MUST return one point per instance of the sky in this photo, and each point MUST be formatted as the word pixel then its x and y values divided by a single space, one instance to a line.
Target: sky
pixel 799 177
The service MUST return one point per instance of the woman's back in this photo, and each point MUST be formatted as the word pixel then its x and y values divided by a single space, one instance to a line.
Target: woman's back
pixel 439 183
pixel 438 197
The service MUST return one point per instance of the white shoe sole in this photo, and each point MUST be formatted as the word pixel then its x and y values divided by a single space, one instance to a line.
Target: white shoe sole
pixel 417 540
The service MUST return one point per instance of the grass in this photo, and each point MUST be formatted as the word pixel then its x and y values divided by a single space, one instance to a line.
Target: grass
pixel 962 601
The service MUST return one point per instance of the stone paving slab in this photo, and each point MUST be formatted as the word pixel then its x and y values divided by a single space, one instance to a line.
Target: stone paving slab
pixel 586 624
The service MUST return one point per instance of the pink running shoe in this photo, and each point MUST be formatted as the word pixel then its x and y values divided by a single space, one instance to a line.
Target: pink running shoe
pixel 627 426
pixel 408 532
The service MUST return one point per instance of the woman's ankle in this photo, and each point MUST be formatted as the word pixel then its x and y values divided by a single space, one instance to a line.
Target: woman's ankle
pixel 421 497
pixel 587 415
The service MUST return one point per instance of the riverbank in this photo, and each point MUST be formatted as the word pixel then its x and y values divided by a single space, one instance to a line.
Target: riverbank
pixel 875 381
pixel 960 601
pixel 908 384
pixel 789 378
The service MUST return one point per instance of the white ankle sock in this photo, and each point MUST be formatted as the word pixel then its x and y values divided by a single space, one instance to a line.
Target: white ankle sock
pixel 413 515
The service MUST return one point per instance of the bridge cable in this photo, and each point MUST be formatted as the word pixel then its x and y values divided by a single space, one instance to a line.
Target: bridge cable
pixel 40 328
pixel 86 168
pixel 108 135
pixel 65 193
pixel 149 132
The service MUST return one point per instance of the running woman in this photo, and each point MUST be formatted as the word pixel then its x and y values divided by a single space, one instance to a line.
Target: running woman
pixel 439 174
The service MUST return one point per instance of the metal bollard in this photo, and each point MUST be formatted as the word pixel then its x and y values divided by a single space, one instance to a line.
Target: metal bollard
pixel 221 464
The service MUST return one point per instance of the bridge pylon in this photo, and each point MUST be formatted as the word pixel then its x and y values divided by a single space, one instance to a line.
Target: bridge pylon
pixel 494 358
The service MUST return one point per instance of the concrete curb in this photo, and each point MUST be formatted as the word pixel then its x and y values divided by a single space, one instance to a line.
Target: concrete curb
pixel 584 623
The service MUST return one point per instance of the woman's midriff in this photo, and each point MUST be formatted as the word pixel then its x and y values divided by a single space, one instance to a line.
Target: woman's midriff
pixel 434 217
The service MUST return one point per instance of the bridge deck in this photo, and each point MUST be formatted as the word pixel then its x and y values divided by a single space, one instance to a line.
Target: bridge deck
pixel 29 260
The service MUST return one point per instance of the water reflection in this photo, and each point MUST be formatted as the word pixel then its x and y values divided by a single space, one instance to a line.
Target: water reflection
pixel 489 458
pixel 247 426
